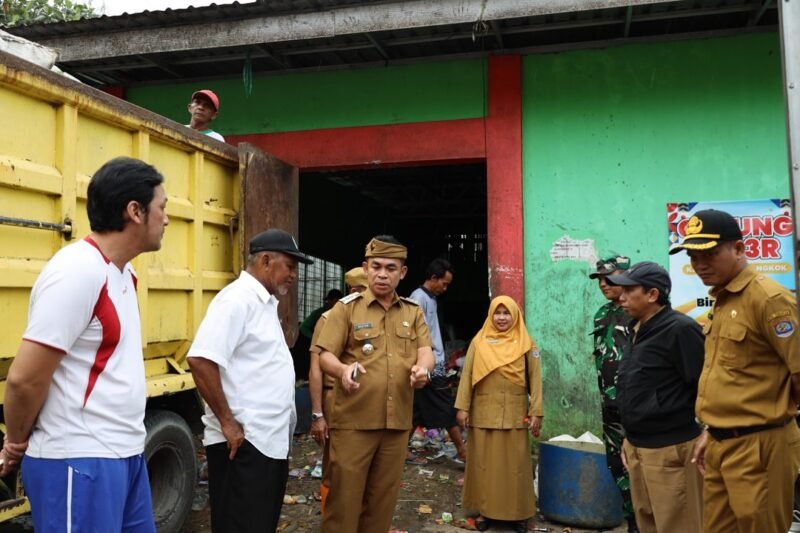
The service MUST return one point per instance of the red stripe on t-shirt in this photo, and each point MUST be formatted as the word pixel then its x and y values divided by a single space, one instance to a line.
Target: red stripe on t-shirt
pixel 91 241
pixel 106 313
pixel 135 281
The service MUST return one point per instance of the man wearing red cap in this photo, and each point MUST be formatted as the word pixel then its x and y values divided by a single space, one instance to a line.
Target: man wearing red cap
pixel 204 108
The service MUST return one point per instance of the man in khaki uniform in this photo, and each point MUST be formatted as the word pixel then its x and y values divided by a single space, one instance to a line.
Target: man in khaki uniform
pixel 321 384
pixel 748 390
pixel 378 347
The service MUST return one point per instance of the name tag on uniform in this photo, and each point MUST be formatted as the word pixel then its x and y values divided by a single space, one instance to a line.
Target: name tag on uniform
pixel 362 325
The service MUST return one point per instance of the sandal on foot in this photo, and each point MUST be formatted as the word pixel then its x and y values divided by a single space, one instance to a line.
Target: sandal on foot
pixel 465 523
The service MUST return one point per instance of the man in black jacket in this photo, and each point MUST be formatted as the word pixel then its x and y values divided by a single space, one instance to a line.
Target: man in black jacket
pixel 658 379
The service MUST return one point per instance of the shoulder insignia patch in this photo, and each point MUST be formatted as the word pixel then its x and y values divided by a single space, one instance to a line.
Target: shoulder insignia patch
pixel 784 328
pixel 350 298
pixel 409 300
pixel 535 353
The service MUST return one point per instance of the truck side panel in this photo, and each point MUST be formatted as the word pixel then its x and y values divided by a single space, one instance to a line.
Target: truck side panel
pixel 56 133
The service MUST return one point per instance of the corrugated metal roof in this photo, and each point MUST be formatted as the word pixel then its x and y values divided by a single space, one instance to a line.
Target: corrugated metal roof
pixel 593 27
pixel 188 15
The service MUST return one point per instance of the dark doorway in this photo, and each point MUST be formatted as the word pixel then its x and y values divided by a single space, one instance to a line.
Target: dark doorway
pixel 437 211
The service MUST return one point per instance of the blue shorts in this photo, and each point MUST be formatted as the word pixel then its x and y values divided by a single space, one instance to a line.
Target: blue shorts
pixel 89 495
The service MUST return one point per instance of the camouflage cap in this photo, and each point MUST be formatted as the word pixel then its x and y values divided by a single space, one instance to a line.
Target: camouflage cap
pixel 611 265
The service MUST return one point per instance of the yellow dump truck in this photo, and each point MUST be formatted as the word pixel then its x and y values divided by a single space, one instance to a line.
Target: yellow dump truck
pixel 54 134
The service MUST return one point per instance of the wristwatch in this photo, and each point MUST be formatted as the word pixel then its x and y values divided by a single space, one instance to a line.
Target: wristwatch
pixel 317 416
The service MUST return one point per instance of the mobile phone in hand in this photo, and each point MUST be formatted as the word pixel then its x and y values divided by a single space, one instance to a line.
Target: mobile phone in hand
pixel 354 374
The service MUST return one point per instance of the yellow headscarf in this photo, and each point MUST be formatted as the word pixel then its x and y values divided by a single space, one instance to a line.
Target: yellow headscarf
pixel 498 350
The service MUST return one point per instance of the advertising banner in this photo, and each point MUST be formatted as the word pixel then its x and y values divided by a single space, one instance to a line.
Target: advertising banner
pixel 767 230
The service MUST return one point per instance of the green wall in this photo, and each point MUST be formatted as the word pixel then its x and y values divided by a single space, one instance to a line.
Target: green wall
pixel 332 99
pixel 609 137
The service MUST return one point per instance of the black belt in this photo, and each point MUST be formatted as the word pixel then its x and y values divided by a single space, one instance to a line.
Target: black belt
pixel 730 433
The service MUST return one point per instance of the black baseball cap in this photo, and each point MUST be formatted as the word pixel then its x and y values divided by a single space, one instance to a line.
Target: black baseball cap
pixel 277 240
pixel 645 273
pixel 707 229
pixel 611 265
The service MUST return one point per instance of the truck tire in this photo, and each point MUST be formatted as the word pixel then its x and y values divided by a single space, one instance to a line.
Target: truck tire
pixel 172 467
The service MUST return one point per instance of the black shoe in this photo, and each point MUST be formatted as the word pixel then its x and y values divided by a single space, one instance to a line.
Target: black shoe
pixel 632 527
pixel 482 525
pixel 521 526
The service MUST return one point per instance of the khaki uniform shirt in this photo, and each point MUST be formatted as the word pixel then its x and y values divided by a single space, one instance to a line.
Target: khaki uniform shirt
pixel 327 381
pixel 751 349
pixel 384 398
pixel 497 403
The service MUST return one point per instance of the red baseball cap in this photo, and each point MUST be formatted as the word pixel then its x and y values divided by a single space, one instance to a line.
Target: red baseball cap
pixel 210 95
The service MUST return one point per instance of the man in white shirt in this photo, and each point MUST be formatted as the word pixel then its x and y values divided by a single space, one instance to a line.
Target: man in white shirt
pixel 75 394
pixel 244 371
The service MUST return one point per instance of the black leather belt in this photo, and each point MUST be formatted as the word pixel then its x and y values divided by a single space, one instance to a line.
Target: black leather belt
pixel 730 433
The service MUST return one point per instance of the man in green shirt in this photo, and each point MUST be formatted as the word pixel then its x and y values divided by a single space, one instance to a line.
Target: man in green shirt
pixel 302 361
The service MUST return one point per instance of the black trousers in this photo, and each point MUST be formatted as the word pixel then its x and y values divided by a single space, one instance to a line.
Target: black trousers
pixel 246 494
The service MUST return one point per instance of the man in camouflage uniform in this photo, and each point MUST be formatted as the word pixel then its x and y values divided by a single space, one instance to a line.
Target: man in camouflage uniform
pixel 610 334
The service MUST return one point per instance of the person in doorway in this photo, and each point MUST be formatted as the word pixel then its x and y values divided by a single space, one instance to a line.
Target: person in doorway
pixel 203 109
pixel 657 383
pixel 378 347
pixel 243 370
pixel 500 399
pixel 750 385
pixel 610 336
pixel 320 384
pixel 75 393
pixel 433 405
pixel 303 345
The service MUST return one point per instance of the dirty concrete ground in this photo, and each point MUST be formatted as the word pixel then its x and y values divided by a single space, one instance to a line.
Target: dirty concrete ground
pixel 427 491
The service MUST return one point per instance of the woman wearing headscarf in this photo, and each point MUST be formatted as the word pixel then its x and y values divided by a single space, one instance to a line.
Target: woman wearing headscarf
pixel 500 372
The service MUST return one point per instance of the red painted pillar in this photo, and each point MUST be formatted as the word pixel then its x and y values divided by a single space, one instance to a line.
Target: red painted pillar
pixel 504 178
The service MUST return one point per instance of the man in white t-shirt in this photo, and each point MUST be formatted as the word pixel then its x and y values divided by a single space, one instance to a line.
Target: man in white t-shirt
pixel 75 394
pixel 244 371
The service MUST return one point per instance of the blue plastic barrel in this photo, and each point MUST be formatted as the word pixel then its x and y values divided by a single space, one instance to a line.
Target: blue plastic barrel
pixel 576 487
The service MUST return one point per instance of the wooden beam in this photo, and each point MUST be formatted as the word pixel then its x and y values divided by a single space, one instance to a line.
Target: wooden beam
pixel 628 17
pixel 756 18
pixel 418 144
pixel 348 20
pixel 377 44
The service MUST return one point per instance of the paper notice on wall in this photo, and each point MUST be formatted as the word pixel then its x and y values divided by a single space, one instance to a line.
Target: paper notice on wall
pixel 568 249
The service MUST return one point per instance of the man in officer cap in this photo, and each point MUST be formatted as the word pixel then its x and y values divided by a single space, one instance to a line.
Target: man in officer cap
pixel 610 335
pixel 657 383
pixel 750 385
pixel 378 348
pixel 320 384
pixel 244 372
